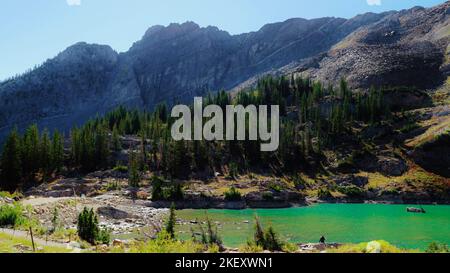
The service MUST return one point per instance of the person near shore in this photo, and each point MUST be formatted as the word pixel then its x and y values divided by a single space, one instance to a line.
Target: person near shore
pixel 322 240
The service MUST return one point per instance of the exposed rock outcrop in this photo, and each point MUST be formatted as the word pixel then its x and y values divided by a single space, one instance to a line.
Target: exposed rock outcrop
pixel 351 180
pixel 403 48
pixel 390 166
pixel 435 155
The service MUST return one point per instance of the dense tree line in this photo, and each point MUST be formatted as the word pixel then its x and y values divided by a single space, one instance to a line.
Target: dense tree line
pixel 31 157
pixel 90 146
pixel 312 116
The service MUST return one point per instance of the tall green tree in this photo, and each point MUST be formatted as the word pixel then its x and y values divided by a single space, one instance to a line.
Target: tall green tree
pixel 57 152
pixel 116 145
pixel 170 226
pixel 134 176
pixel 11 168
pixel 45 154
pixel 30 154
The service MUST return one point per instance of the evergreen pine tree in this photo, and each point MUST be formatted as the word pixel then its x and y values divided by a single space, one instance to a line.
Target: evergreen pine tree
pixel 30 154
pixel 45 154
pixel 259 233
pixel 57 152
pixel 11 168
pixel 170 226
pixel 134 177
pixel 117 146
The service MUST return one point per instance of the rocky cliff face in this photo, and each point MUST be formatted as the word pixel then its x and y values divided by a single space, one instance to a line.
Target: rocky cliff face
pixel 177 62
pixel 401 49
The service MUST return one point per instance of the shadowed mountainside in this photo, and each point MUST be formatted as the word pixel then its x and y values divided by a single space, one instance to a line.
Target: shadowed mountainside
pixel 175 63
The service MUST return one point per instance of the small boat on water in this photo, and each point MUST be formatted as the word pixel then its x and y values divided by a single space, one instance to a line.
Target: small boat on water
pixel 415 210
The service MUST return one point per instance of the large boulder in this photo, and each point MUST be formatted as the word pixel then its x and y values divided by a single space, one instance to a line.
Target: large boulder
pixel 434 155
pixel 113 213
pixel 391 166
pixel 351 180
pixel 406 98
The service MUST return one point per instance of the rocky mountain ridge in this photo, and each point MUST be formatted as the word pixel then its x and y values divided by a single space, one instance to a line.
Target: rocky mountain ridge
pixel 175 63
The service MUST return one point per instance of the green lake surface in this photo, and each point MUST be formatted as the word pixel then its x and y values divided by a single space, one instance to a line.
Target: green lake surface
pixel 342 223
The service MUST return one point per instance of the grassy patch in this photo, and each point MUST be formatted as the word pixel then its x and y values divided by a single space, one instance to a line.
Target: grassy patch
pixel 71 202
pixel 163 244
pixel 351 191
pixel 376 180
pixel 233 195
pixel 121 169
pixel 221 186
pixel 11 244
pixel 437 126
pixel 251 248
pixel 64 234
pixel 416 176
pixel 437 248
pixel 15 195
pixel 442 94
pixel 363 248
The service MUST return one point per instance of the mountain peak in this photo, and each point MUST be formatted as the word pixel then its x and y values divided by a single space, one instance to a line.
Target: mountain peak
pixel 173 28
pixel 84 51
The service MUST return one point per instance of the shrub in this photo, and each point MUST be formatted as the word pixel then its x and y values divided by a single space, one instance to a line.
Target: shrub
pixel 272 241
pixel 392 191
pixel 258 236
pixel 290 247
pixel 165 244
pixel 437 248
pixel 214 249
pixel 267 196
pixel 351 191
pixel 174 193
pixel 11 216
pixel 266 239
pixel 160 190
pixel 299 182
pixel 121 169
pixel 104 236
pixel 88 229
pixel 209 236
pixel 157 188
pixel 385 247
pixel 134 176
pixel 55 219
pixel 88 225
pixel 275 187
pixel 233 195
pixel 324 193
pixel 16 195
pixel 251 247
pixel 113 186
pixel 234 171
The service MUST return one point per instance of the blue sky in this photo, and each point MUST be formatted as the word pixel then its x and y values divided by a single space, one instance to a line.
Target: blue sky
pixel 34 30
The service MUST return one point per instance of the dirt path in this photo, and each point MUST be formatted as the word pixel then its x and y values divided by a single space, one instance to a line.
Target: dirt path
pixel 39 201
pixel 38 241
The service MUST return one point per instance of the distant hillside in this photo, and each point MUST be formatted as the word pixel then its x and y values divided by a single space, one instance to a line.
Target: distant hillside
pixel 180 61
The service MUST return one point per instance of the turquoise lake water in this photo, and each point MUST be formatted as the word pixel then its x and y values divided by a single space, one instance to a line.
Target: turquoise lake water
pixel 343 223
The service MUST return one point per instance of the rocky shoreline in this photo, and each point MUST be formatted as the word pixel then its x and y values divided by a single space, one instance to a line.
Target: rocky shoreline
pixel 283 205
